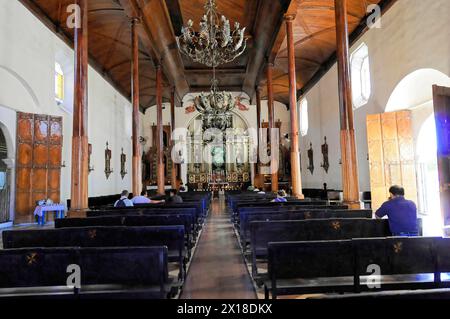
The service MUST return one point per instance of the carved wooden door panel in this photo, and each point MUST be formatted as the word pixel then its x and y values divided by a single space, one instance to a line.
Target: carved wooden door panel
pixel 24 165
pixel 391 155
pixel 441 97
pixel 39 151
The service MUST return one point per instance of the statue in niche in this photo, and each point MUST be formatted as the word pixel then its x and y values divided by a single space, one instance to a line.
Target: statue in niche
pixel 108 156
pixel 311 159
pixel 123 161
pixel 326 163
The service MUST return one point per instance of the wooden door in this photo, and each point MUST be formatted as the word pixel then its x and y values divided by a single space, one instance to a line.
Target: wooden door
pixel 391 155
pixel 38 169
pixel 441 97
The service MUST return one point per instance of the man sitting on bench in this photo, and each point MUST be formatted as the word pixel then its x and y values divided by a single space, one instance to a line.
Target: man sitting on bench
pixel 144 199
pixel 402 213
pixel 124 201
pixel 281 197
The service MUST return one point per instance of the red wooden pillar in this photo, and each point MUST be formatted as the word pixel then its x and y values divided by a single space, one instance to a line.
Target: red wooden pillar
pixel 172 121
pixel 270 102
pixel 296 179
pixel 79 181
pixel 348 145
pixel 257 181
pixel 159 140
pixel 135 92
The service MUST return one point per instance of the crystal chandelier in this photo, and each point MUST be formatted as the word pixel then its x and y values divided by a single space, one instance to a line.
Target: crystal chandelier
pixel 215 44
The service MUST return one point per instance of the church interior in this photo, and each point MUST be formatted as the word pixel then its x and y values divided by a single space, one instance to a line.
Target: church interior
pixel 224 149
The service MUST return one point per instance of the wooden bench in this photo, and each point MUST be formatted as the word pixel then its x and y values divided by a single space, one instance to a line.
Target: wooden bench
pixel 263 233
pixel 342 265
pixel 105 272
pixel 170 236
pixel 248 216
pixel 132 220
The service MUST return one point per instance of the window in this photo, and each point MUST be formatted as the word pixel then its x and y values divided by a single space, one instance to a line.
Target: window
pixel 360 68
pixel 59 84
pixel 304 121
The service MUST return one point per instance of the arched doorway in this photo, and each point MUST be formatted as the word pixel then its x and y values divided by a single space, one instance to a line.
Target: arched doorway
pixel 5 181
pixel 428 179
pixel 414 93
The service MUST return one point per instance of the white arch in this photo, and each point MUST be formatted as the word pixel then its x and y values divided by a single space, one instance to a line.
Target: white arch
pixel 415 89
pixel 9 141
pixel 24 84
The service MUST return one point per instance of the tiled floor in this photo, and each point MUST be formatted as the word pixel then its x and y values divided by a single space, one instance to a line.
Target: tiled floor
pixel 218 270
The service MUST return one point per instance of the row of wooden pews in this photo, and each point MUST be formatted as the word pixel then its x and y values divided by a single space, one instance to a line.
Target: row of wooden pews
pixel 137 253
pixel 311 247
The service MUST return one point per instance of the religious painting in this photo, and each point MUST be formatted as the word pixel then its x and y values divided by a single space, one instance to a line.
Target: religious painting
pixel 108 156
pixel 326 163
pixel 123 161
pixel 311 159
pixel 240 105
pixel 190 109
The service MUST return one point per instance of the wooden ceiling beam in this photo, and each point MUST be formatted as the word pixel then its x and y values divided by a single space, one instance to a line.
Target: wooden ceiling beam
pixel 266 30
pixel 354 36
pixel 159 31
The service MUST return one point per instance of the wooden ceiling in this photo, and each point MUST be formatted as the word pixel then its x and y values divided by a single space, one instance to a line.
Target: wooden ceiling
pixel 161 22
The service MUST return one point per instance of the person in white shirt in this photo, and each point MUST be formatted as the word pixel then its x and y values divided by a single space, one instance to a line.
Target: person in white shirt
pixel 124 201
pixel 183 188
pixel 144 199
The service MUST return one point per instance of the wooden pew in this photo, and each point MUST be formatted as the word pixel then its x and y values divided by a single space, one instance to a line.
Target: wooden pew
pixel 105 272
pixel 263 233
pixel 342 265
pixel 170 236
pixel 315 213
pixel 132 220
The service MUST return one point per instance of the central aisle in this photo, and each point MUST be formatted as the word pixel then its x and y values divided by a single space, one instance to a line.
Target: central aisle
pixel 218 270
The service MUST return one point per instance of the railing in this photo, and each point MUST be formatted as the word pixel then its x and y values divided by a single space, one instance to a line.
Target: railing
pixel 5 198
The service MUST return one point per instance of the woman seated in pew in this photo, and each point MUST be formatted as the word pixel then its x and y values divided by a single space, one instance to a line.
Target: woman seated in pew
pixel 281 197
pixel 402 213
pixel 144 199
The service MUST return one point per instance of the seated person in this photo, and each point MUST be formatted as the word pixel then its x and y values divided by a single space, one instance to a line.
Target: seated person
pixel 144 199
pixel 183 189
pixel 124 201
pixel 281 197
pixel 402 213
pixel 174 197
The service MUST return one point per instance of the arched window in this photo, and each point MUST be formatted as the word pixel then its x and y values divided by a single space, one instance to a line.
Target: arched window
pixel 360 68
pixel 304 120
pixel 59 83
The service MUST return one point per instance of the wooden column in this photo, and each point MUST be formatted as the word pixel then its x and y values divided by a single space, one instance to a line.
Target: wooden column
pixel 348 144
pixel 270 105
pixel 296 178
pixel 135 92
pixel 79 181
pixel 172 122
pixel 160 146
pixel 257 182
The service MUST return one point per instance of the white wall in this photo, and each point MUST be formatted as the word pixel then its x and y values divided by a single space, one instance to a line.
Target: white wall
pixel 414 35
pixel 28 51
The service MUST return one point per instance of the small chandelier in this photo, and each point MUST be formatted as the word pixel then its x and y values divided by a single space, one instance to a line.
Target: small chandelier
pixel 216 108
pixel 215 44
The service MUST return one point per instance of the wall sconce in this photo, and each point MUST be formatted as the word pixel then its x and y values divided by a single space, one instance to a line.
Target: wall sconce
pixel 90 168
pixel 123 160
pixel 108 155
